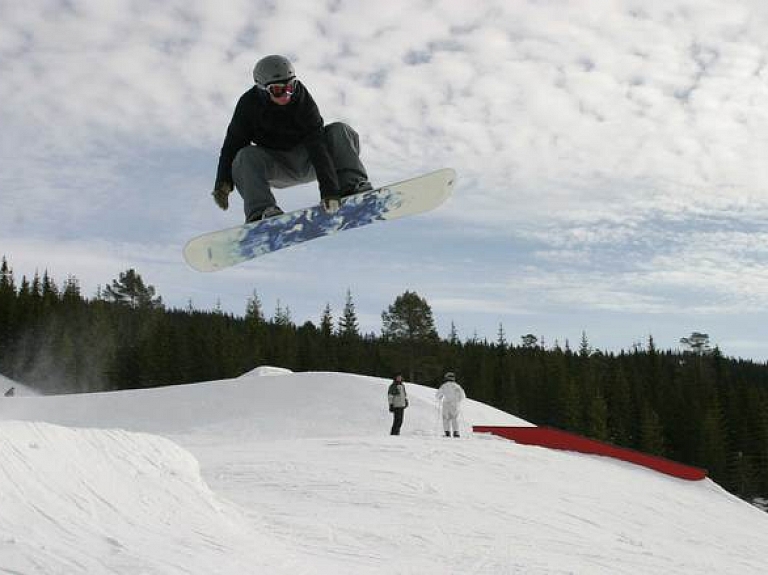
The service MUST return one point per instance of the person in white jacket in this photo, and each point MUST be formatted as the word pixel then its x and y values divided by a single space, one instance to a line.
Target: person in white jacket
pixel 451 394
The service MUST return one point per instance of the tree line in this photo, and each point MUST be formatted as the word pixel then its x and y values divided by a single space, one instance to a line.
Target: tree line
pixel 694 406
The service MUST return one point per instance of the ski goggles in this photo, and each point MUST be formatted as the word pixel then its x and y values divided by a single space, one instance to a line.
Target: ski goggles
pixel 283 89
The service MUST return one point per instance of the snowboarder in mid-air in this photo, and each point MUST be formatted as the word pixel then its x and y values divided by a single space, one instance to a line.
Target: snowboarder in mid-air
pixel 451 394
pixel 277 138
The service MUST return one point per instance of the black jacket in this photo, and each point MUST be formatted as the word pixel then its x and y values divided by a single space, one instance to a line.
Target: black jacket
pixel 260 121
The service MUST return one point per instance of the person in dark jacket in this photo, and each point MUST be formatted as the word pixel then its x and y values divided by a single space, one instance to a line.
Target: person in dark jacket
pixel 277 138
pixel 398 401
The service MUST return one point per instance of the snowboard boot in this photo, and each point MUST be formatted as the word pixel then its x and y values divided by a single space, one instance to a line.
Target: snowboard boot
pixel 269 212
pixel 359 187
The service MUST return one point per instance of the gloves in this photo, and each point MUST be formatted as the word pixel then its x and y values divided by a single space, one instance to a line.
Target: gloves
pixel 331 204
pixel 391 409
pixel 221 194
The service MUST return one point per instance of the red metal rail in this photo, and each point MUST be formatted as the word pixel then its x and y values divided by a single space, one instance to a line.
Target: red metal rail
pixel 557 439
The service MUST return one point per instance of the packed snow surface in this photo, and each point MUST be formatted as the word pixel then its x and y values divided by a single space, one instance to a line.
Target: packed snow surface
pixel 283 473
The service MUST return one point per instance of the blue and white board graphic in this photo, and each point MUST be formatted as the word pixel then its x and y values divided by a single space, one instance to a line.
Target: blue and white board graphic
pixel 224 248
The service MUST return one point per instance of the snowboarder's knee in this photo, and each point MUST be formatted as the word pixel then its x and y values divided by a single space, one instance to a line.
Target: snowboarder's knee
pixel 250 155
pixel 336 127
pixel 339 131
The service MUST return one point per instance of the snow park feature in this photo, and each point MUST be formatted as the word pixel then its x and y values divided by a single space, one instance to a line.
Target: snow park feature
pixel 559 439
pixel 280 473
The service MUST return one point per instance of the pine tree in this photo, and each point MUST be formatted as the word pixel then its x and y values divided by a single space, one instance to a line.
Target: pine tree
pixel 651 432
pixel 584 349
pixel 282 316
pixel 451 352
pixel 697 343
pixel 408 323
pixel 712 444
pixel 619 407
pixel 36 296
pixel 24 314
pixel 327 346
pixel 326 322
pixel 409 319
pixel 349 353
pixel 71 293
pixel 453 336
pixel 6 278
pixel 7 313
pixel 50 292
pixel 651 346
pixel 253 312
pixel 501 339
pixel 129 289
pixel 255 332
pixel 348 325
pixel 597 417
pixel 504 384
pixel 569 399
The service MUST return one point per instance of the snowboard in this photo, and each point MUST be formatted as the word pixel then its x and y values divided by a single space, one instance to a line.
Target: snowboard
pixel 224 248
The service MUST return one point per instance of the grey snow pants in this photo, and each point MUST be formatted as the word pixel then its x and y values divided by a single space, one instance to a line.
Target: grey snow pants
pixel 256 170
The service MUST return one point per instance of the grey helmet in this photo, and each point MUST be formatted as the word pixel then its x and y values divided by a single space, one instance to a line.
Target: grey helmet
pixel 273 70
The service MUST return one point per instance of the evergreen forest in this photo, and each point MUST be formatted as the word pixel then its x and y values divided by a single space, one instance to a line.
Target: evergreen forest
pixel 694 406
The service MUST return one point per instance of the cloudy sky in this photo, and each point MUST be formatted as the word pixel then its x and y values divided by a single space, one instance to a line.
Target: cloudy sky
pixel 612 157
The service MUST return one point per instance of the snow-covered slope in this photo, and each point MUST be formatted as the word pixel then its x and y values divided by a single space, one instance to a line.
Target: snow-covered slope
pixel 298 475
pixel 260 405
pixel 103 501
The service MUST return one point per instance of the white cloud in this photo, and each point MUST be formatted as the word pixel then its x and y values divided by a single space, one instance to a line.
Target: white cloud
pixel 495 307
pixel 517 94
pixel 616 150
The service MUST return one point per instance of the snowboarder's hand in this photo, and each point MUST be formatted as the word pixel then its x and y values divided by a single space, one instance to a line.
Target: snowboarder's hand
pixel 221 195
pixel 331 204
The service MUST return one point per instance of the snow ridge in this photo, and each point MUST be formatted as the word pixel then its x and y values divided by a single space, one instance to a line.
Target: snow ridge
pixel 95 501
